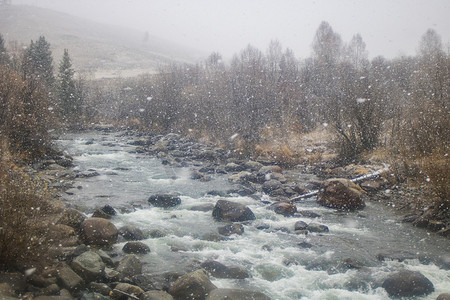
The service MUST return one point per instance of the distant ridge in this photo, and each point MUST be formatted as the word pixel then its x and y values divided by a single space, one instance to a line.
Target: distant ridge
pixel 102 50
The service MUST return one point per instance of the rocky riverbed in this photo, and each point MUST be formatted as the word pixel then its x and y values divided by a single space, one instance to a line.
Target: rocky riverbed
pixel 101 256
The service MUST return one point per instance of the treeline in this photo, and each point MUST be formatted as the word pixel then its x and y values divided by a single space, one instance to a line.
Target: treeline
pixel 400 103
pixel 33 101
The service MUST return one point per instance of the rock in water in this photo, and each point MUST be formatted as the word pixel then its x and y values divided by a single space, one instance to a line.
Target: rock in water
pixel 342 194
pixel 135 247
pixel 195 285
pixel 408 284
pixel 164 200
pixel 99 232
pixel 235 294
pixel 231 211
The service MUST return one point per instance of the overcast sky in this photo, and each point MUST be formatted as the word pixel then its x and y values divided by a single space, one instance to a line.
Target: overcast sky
pixel 389 27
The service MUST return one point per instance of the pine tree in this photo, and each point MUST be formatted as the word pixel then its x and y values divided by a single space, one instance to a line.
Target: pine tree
pixel 38 62
pixel 4 57
pixel 70 102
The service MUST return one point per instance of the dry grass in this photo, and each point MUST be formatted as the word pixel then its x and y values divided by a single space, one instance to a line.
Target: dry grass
pixel 25 205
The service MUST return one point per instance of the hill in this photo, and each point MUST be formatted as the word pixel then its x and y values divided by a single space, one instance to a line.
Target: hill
pixel 101 50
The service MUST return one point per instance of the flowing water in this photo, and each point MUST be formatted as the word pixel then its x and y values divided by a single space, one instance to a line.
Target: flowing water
pixel 282 264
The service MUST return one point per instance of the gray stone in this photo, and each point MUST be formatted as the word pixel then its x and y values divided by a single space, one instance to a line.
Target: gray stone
pixel 253 165
pixel 135 247
pixel 129 265
pixel 164 200
pixel 126 288
pixel 240 177
pixel 236 294
pixel 230 229
pixel 156 295
pixel 194 285
pixel 269 169
pixel 317 228
pixel 99 232
pixel 68 278
pixel 231 211
pixel 407 284
pixel 94 296
pixel 100 288
pixel 271 185
pixel 300 225
pixel 89 265
pixel 444 296
pixel 233 167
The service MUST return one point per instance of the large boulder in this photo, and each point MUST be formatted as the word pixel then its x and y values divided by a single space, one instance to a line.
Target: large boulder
pixel 407 284
pixel 231 211
pixel 342 194
pixel 89 265
pixel 164 200
pixel 105 212
pixel 131 233
pixel 135 247
pixel 129 266
pixel 98 232
pixel 236 294
pixel 195 285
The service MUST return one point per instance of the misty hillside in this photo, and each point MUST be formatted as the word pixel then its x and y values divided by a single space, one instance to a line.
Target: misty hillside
pixel 104 50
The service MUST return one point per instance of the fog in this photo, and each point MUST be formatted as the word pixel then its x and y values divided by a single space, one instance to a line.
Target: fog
pixel 389 28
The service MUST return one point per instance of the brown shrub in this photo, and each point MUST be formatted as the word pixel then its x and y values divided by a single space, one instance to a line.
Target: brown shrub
pixel 25 205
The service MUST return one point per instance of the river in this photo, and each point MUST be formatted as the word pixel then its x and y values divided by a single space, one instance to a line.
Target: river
pixel 282 264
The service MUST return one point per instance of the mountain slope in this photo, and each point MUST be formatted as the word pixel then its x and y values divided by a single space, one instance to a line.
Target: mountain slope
pixel 105 51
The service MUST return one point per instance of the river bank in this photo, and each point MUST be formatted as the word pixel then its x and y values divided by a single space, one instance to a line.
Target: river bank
pixel 188 162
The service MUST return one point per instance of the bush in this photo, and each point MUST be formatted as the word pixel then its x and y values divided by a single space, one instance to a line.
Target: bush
pixel 24 208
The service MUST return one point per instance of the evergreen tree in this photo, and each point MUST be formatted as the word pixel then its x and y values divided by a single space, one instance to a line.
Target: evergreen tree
pixel 4 57
pixel 69 100
pixel 38 62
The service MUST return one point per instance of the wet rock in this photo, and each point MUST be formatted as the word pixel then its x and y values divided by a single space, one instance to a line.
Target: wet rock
pixel 129 265
pixel 106 212
pixel 230 229
pixel 156 295
pixel 342 194
pixel 72 217
pixel 214 237
pixel 299 232
pixel 100 288
pixel 300 225
pixel 123 289
pixel 98 231
pixel 317 228
pixel 233 167
pixel 225 210
pixel 275 176
pixel 236 294
pixel 219 270
pixel 194 285
pixel 284 208
pixel 94 296
pixel 407 284
pixel 6 291
pixel 305 245
pixel 271 185
pixel 88 174
pixel 135 247
pixel 241 177
pixel 68 279
pixel 156 233
pixel 131 233
pixel 89 266
pixel 444 296
pixel 253 165
pixel 164 200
